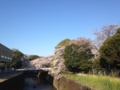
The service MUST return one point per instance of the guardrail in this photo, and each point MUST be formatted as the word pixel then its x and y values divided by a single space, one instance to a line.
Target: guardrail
pixel 34 69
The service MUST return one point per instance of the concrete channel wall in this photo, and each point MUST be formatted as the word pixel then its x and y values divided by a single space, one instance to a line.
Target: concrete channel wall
pixel 14 83
pixel 63 83
pixel 58 81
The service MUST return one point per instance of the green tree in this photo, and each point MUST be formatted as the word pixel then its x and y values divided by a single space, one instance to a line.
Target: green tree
pixel 110 51
pixel 77 57
pixel 16 56
pixel 32 57
pixel 104 33
pixel 64 42
pixel 96 64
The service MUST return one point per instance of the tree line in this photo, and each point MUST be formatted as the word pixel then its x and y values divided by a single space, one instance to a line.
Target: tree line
pixel 79 54
pixel 16 58
pixel 83 54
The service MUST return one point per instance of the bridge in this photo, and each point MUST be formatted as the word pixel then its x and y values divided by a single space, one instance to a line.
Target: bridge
pixel 39 72
pixel 34 69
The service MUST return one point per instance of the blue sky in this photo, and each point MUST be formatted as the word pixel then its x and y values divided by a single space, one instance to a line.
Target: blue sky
pixel 37 26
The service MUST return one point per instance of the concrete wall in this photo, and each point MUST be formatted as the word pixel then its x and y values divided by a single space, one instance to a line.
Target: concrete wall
pixel 63 83
pixel 59 82
pixel 15 83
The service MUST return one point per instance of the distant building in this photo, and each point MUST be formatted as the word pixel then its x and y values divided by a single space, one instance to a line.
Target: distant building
pixel 5 55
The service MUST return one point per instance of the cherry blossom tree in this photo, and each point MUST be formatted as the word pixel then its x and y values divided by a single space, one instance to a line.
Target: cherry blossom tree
pixel 104 33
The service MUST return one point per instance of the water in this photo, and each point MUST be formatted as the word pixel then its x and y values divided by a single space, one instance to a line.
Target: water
pixel 37 84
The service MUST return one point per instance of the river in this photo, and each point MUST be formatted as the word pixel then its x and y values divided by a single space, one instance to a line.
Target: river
pixel 37 84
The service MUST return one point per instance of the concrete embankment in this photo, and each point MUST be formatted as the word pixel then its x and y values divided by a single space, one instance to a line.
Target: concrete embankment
pixel 12 82
pixel 63 83
pixel 16 81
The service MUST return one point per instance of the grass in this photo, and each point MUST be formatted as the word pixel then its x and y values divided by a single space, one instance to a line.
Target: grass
pixel 98 82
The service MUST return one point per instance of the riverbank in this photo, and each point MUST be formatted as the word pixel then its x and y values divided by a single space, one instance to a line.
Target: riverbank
pixel 61 82
pixel 98 82
pixel 29 80
pixel 9 76
pixel 12 81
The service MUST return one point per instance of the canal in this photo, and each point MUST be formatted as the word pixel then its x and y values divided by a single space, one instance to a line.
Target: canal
pixel 34 82
pixel 26 81
pixel 31 83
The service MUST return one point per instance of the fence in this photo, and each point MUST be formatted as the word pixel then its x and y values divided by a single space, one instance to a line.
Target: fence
pixel 113 72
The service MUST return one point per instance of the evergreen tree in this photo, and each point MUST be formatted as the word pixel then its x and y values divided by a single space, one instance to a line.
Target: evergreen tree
pixel 110 51
pixel 16 56
pixel 77 58
pixel 64 42
pixel 32 57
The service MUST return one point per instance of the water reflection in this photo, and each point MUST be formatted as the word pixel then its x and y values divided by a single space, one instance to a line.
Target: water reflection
pixel 37 84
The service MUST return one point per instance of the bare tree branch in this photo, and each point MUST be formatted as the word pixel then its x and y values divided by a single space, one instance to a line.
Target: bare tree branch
pixel 104 33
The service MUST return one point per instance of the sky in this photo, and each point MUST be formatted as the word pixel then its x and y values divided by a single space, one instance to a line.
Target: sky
pixel 37 26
